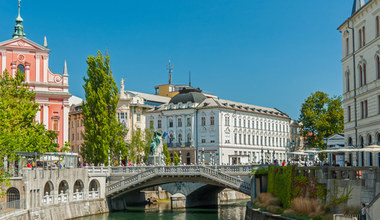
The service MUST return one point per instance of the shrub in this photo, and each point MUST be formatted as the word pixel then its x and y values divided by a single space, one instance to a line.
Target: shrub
pixel 350 210
pixel 305 206
pixel 275 209
pixel 266 199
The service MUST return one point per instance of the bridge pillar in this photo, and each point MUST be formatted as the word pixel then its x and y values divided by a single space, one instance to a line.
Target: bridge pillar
pixel 178 201
pixel 253 188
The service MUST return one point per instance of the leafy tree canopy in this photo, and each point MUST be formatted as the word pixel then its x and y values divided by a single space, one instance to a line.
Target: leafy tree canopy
pixel 103 132
pixel 321 117
pixel 18 129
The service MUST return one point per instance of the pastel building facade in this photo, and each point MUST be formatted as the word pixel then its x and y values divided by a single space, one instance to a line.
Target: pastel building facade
pixel 52 90
pixel 132 106
pixel 361 80
pixel 210 130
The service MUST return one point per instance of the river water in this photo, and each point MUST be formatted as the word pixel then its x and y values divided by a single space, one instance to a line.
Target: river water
pixel 162 211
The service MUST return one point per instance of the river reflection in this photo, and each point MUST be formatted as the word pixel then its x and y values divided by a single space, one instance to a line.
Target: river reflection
pixel 162 211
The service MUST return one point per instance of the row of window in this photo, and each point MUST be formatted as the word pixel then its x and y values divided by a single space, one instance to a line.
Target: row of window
pixel 363 74
pixel 171 123
pixel 362 37
pixel 79 122
pixel 363 109
pixel 264 126
pixel 78 137
pixel 180 138
pixel 264 156
pixel 124 115
pixel 361 140
pixel 259 140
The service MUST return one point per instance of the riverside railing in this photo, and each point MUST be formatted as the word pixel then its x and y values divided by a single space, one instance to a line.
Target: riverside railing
pixel 351 173
pixel 172 171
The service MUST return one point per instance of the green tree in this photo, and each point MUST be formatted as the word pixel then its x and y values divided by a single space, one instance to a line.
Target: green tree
pixel 103 132
pixel 321 117
pixel 149 132
pixel 168 160
pixel 176 158
pixel 18 129
pixel 137 146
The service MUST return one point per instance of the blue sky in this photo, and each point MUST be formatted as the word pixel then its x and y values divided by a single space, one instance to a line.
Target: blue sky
pixel 271 53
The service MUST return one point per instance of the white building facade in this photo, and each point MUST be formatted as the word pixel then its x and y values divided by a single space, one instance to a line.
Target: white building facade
pixel 221 131
pixel 132 106
pixel 361 80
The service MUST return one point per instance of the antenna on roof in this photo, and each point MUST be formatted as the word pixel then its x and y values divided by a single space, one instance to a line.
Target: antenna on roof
pixel 189 79
pixel 169 67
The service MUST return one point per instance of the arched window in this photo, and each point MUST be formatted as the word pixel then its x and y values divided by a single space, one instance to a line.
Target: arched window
pixel 364 74
pixel 377 26
pixel 179 138
pixel 347 46
pixel 170 123
pixel 369 140
pixel 78 186
pixel 63 187
pixel 349 141
pixel 378 66
pixel 361 141
pixel 21 68
pixel 48 189
pixel 363 36
pixel 13 198
pixel 378 139
pixel 347 81
pixel 361 76
pixel 189 137
pixel 94 186
pixel 360 38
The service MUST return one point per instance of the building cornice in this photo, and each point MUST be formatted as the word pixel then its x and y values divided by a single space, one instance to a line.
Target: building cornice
pixel 358 13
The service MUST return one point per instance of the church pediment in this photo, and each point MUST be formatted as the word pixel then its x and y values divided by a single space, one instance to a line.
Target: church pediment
pixel 23 43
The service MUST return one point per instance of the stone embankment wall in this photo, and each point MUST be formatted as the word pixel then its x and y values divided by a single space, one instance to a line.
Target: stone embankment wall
pixel 254 214
pixel 62 211
pixel 227 195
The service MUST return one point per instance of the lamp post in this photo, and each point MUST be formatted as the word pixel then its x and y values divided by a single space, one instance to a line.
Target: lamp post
pixel 262 155
pixel 109 158
pixel 120 159
pixel 203 156
pixel 180 158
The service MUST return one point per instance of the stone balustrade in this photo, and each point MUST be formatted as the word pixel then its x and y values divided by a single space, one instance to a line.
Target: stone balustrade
pixel 129 170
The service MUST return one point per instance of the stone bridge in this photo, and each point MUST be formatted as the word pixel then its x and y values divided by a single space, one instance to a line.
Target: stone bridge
pixel 166 174
pixel 195 181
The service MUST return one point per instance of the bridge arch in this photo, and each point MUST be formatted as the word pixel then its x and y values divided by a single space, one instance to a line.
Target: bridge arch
pixel 63 187
pixel 48 188
pixel 78 186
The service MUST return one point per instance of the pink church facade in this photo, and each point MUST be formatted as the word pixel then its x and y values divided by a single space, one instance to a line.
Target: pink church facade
pixel 52 90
